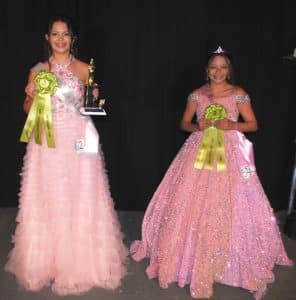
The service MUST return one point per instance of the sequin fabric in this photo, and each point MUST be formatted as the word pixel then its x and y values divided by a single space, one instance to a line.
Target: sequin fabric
pixel 242 98
pixel 204 226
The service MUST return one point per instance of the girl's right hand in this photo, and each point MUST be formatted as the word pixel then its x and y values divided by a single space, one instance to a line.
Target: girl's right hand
pixel 204 123
pixel 30 89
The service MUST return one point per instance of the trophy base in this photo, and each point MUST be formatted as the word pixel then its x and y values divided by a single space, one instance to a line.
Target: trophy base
pixel 92 111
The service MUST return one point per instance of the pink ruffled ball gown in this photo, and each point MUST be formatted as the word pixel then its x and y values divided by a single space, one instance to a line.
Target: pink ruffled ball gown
pixel 68 235
pixel 204 226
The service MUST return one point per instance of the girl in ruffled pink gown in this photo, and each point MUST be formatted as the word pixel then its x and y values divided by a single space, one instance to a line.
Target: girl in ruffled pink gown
pixel 203 225
pixel 68 235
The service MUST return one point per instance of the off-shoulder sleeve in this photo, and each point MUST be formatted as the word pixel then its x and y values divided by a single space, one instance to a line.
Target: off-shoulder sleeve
pixel 38 67
pixel 193 97
pixel 242 98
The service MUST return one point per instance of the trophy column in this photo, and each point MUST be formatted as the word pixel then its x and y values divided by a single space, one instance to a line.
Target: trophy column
pixel 91 105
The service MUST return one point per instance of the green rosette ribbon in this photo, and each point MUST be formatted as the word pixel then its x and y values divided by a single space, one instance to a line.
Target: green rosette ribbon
pixel 211 149
pixel 40 113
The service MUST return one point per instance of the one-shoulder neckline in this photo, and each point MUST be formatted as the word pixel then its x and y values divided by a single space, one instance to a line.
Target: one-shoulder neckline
pixel 45 64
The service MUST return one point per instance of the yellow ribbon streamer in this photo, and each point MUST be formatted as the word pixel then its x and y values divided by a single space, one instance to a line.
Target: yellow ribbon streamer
pixel 40 112
pixel 211 149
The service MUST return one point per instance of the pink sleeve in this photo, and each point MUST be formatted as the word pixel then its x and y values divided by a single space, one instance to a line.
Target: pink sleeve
pixel 38 67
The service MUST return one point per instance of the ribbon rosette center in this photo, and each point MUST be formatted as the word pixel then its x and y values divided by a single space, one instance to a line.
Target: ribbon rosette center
pixel 44 83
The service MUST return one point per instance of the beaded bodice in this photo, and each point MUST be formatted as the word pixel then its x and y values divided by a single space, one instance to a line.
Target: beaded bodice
pixel 204 98
pixel 69 94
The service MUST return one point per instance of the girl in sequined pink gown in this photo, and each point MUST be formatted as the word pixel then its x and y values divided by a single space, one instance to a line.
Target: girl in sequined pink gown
pixel 68 235
pixel 205 226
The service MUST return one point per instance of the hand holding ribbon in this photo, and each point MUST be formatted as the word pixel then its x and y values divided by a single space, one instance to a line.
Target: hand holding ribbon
pixel 212 143
pixel 40 112
pixel 226 124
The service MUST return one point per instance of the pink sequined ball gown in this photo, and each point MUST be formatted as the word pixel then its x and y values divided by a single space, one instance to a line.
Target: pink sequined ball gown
pixel 205 226
pixel 68 235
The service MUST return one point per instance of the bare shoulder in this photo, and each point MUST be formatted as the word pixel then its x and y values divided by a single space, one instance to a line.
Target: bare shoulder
pixel 201 89
pixel 80 63
pixel 196 91
pixel 239 91
pixel 80 68
pixel 40 66
pixel 45 64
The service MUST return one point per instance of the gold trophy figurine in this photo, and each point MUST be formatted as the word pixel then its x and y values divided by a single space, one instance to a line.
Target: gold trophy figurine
pixel 91 105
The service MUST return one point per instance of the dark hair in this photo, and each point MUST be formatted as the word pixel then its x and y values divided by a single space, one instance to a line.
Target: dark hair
pixel 71 28
pixel 228 58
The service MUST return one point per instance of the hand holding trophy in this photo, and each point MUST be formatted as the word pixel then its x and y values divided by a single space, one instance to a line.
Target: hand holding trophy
pixel 92 105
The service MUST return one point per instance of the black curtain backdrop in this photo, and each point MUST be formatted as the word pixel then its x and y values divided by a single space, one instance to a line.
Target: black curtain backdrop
pixel 150 55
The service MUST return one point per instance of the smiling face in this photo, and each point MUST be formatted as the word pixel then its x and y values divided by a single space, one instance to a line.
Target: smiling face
pixel 60 38
pixel 219 69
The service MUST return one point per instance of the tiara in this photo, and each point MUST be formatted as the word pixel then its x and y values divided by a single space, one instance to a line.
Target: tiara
pixel 219 50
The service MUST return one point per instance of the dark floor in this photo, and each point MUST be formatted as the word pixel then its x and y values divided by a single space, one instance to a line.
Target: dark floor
pixel 135 285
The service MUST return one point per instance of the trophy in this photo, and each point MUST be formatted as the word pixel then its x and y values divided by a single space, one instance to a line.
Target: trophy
pixel 91 105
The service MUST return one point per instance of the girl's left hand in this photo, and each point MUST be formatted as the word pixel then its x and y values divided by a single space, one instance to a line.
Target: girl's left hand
pixel 225 124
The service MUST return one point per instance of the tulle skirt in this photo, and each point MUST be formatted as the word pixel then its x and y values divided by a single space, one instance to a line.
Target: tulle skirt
pixel 68 235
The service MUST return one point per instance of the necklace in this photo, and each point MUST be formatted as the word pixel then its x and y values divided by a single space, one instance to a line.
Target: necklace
pixel 63 65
